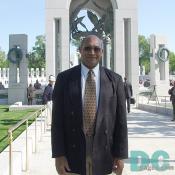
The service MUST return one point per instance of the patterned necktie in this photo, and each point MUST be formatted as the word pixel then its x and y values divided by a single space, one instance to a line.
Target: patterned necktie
pixel 89 104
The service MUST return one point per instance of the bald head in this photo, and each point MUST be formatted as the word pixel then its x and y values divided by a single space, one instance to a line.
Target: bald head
pixel 89 37
pixel 91 51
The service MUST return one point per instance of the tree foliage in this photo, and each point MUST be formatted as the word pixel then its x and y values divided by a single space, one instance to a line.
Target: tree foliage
pixel 172 62
pixel 75 42
pixel 37 56
pixel 3 61
pixel 144 53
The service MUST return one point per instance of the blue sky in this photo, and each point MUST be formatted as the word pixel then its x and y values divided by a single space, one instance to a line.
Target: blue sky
pixel 28 16
pixel 157 17
pixel 22 16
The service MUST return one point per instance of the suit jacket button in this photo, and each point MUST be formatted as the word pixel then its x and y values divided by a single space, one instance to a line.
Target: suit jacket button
pixel 73 130
pixel 106 131
pixel 73 146
pixel 72 113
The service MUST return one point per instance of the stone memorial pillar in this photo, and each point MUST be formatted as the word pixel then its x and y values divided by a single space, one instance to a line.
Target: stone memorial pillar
pixel 17 90
pixel 107 52
pixel 159 64
pixel 42 72
pixel 37 73
pixel 61 16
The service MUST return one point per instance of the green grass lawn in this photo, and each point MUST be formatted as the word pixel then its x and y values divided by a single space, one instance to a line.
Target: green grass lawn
pixel 8 119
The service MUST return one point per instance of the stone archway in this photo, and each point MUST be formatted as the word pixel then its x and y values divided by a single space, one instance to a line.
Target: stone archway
pixel 100 13
pixel 125 39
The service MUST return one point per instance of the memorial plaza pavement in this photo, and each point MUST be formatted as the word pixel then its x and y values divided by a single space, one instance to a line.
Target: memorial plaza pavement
pixel 151 136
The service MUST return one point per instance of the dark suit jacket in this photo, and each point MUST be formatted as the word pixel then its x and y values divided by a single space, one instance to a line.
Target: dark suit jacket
pixel 128 89
pixel 47 94
pixel 172 95
pixel 110 136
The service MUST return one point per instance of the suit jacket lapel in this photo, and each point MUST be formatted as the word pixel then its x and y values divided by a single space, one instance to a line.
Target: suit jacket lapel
pixel 103 82
pixel 75 89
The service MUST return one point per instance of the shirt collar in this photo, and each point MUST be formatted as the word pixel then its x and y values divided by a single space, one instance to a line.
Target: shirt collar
pixel 85 70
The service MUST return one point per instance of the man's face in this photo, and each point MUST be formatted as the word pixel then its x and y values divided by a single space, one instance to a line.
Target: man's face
pixel 91 52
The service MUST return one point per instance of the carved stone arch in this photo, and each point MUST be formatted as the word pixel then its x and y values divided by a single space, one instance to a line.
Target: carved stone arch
pixel 70 4
pixel 103 28
pixel 114 4
pixel 104 9
pixel 98 6
pixel 124 40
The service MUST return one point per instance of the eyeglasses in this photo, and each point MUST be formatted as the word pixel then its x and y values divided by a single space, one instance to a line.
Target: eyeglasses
pixel 88 49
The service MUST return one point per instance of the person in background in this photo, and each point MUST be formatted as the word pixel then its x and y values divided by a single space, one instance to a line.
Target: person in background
pixel 171 82
pixel 147 83
pixel 1 86
pixel 171 92
pixel 30 94
pixel 89 128
pixel 128 93
pixel 47 94
pixel 37 85
pixel 140 81
pixel 47 97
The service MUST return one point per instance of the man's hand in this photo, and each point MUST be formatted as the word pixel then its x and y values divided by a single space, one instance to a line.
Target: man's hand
pixel 61 165
pixel 118 166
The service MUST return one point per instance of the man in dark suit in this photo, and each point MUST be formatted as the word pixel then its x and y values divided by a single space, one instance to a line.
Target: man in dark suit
pixel 171 92
pixel 128 93
pixel 89 138
pixel 47 98
pixel 47 94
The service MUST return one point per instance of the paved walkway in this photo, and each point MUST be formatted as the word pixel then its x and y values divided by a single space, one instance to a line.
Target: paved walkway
pixel 148 134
